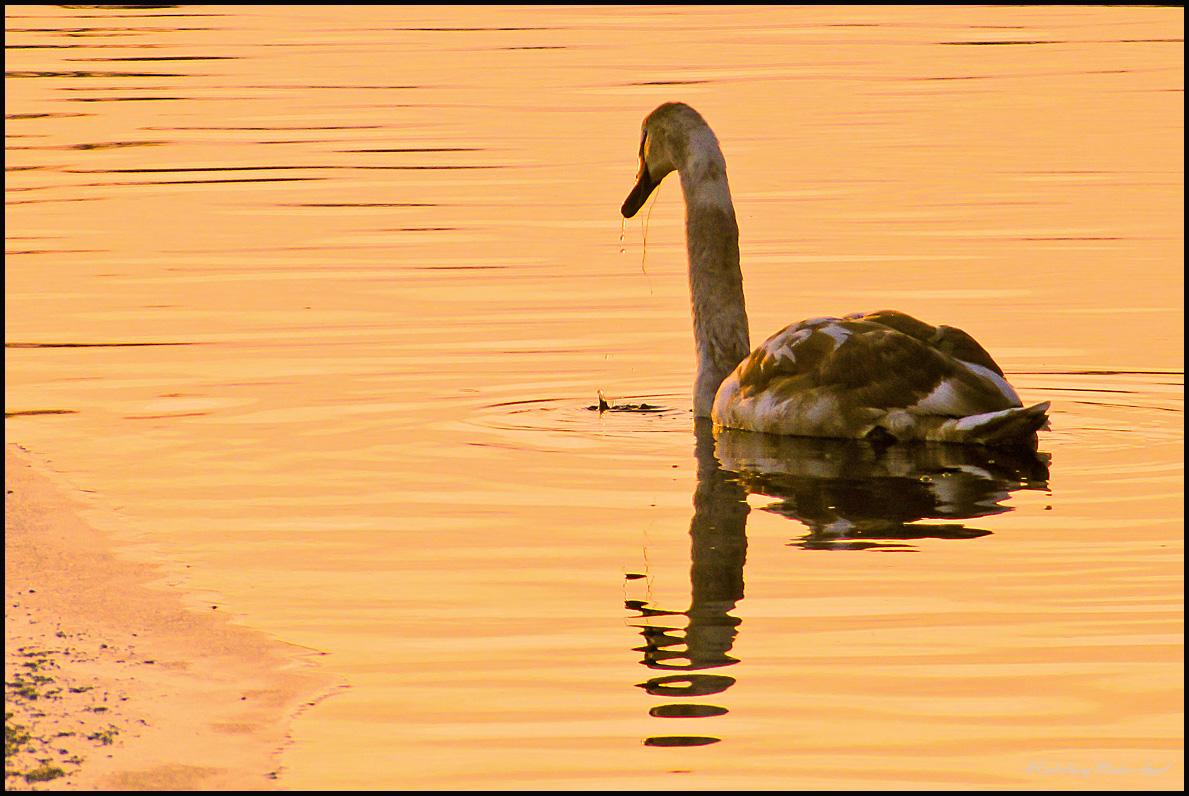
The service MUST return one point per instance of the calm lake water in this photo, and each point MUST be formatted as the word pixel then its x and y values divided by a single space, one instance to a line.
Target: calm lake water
pixel 318 299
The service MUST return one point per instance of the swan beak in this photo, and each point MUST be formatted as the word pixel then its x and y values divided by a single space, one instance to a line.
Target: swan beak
pixel 645 185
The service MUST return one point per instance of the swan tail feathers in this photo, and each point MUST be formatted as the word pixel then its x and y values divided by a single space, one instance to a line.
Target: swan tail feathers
pixel 1015 426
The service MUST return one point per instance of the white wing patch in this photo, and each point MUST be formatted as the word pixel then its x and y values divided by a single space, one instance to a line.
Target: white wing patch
pixel 836 331
pixel 946 399
pixel 782 344
pixel 995 379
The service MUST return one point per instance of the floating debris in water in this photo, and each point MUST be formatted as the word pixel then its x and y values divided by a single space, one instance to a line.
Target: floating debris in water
pixel 606 406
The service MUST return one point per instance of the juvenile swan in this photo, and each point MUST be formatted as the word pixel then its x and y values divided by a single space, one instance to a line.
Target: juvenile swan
pixel 880 375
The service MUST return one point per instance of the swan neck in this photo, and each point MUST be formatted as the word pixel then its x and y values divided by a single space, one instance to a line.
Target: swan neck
pixel 715 279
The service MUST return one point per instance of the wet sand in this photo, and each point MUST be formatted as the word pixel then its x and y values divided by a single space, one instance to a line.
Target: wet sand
pixel 112 680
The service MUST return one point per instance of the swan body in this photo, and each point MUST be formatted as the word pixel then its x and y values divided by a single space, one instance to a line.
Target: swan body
pixel 882 375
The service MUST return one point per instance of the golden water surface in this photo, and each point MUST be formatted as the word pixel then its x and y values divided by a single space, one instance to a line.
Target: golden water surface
pixel 318 299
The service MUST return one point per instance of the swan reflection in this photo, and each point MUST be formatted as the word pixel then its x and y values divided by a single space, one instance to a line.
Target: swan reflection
pixel 855 493
pixel 849 494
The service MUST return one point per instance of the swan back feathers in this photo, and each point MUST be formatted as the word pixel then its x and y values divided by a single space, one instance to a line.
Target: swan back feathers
pixel 847 377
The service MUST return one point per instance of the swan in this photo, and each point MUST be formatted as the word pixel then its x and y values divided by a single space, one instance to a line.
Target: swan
pixel 881 375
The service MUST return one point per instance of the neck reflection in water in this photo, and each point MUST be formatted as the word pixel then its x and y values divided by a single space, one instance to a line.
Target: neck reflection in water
pixel 850 494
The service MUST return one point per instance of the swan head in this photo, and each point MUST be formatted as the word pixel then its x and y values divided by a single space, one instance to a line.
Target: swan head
pixel 665 146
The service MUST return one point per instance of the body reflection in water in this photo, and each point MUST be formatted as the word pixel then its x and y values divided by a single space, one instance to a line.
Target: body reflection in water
pixel 850 494
pixel 858 494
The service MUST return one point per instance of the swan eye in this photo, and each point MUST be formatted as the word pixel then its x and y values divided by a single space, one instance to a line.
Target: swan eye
pixel 644 140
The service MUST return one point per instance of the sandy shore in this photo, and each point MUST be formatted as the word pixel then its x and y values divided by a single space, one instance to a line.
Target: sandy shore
pixel 113 683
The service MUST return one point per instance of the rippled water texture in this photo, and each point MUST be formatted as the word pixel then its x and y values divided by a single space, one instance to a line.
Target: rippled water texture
pixel 319 299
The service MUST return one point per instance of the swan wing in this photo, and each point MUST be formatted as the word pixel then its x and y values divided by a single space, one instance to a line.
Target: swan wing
pixel 846 377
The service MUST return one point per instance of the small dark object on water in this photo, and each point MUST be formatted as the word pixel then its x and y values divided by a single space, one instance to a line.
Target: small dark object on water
pixel 605 406
pixel 680 740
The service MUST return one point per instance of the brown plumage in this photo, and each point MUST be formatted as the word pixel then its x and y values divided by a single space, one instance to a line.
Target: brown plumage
pixel 883 374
